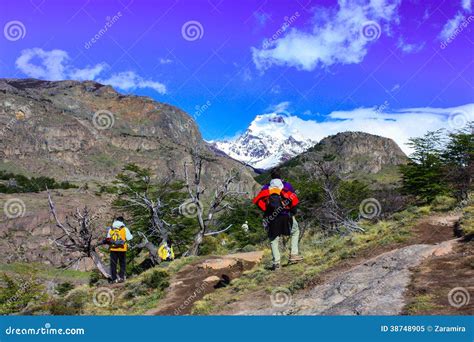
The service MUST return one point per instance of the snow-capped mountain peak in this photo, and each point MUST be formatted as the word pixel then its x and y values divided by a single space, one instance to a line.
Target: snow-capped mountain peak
pixel 269 140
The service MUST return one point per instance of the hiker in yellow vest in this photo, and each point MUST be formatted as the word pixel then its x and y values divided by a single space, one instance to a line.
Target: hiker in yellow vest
pixel 117 237
pixel 165 252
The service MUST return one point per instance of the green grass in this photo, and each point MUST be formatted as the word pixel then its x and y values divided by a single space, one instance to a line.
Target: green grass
pixel 420 304
pixel 467 220
pixel 44 271
pixel 320 253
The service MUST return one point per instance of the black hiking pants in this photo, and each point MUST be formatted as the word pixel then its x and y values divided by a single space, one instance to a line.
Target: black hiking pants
pixel 120 258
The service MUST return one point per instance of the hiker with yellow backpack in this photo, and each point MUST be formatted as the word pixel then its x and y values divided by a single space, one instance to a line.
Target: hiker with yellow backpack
pixel 117 237
pixel 165 251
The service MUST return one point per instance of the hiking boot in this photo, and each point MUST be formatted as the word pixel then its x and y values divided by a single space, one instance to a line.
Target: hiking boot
pixel 275 267
pixel 294 258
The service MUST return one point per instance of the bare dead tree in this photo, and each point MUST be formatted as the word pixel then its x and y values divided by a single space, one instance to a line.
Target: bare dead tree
pixel 152 250
pixel 157 227
pixel 332 215
pixel 207 218
pixel 78 236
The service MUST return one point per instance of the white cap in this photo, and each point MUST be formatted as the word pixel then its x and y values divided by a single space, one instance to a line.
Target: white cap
pixel 276 183
pixel 117 224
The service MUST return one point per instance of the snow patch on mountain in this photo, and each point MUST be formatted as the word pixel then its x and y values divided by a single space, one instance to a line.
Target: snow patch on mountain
pixel 269 140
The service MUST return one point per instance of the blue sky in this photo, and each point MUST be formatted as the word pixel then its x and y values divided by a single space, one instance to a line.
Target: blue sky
pixel 229 61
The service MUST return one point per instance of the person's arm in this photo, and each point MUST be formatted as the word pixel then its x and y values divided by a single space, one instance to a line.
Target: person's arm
pixel 288 186
pixel 108 233
pixel 128 235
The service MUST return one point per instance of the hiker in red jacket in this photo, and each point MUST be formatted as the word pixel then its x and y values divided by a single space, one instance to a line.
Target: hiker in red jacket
pixel 278 202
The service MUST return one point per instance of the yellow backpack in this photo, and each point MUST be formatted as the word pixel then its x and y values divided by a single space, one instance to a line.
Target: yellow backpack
pixel 118 242
pixel 165 252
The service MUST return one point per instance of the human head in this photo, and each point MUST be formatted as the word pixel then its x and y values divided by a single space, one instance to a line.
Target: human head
pixel 120 218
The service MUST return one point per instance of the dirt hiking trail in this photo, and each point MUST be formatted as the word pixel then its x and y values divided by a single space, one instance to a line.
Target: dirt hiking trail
pixel 199 278
pixel 374 283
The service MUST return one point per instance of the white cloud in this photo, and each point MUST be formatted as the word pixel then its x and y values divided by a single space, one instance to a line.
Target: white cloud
pixel 409 48
pixel 399 125
pixel 336 36
pixel 280 108
pixel 51 63
pixel 88 73
pixel 128 80
pixel 450 27
pixel 56 65
pixel 466 5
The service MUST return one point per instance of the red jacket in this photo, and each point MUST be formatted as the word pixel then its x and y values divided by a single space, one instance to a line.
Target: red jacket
pixel 261 199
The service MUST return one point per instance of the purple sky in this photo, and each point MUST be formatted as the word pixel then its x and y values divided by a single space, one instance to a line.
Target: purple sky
pixel 320 63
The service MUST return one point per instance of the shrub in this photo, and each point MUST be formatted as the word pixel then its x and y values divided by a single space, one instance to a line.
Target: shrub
pixel 72 304
pixel 17 293
pixel 63 288
pixel 443 203
pixel 94 277
pixel 156 279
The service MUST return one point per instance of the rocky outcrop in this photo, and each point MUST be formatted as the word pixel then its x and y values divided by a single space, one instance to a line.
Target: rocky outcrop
pixel 85 131
pixel 355 155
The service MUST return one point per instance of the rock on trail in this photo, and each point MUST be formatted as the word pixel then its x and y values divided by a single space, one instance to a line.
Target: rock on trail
pixel 374 287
